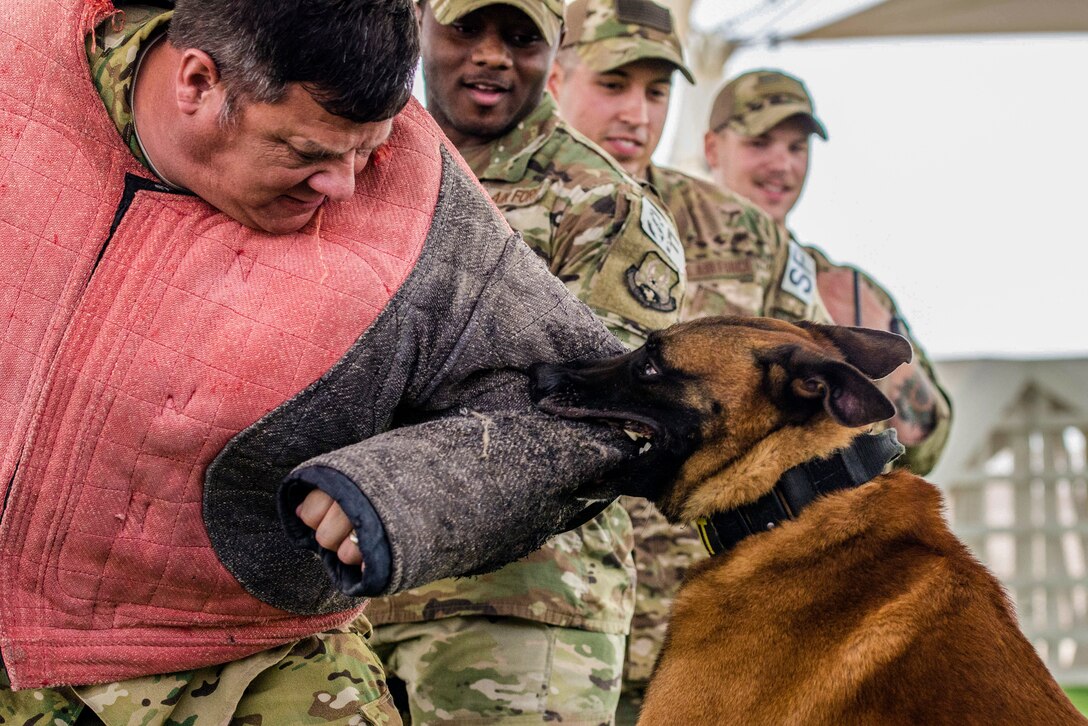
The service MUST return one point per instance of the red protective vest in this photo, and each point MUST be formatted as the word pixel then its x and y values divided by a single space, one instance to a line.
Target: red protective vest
pixel 129 359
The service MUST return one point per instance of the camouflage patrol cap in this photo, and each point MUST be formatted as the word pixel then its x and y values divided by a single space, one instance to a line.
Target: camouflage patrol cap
pixel 547 14
pixel 753 103
pixel 610 33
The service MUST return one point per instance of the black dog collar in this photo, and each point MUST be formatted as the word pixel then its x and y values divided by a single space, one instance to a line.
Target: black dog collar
pixel 858 463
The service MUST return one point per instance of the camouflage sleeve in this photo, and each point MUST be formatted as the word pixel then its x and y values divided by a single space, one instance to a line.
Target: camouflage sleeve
pixel 921 458
pixel 618 251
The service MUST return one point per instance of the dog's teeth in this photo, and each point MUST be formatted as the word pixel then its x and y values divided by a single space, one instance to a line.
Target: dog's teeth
pixel 634 436
pixel 645 448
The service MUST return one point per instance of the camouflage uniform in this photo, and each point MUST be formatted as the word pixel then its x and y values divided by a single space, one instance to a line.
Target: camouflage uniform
pixel 739 262
pixel 614 247
pixel 618 252
pixel 113 52
pixel 332 677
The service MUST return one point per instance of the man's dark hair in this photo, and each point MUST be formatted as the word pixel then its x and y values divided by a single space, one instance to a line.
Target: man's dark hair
pixel 357 58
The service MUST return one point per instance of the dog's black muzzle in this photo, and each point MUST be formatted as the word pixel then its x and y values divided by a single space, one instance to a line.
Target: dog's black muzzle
pixel 608 390
pixel 566 381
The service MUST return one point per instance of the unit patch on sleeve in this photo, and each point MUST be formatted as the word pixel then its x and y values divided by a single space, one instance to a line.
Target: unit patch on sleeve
pixel 800 277
pixel 653 282
pixel 659 228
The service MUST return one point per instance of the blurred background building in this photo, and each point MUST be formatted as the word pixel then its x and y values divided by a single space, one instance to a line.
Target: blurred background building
pixel 1016 482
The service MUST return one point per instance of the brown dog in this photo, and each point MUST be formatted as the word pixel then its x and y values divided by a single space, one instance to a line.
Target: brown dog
pixel 851 602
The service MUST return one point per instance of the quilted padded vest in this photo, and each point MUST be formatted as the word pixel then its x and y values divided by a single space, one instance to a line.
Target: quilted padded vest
pixel 140 331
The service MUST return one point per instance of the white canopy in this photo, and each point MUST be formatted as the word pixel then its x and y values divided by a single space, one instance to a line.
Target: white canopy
pixel 707 53
pixel 957 17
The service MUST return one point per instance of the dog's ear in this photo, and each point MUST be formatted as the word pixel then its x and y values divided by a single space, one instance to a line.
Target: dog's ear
pixel 876 353
pixel 847 394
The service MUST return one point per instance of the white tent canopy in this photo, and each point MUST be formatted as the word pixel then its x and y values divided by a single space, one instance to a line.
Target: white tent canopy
pixel 957 17
pixel 708 52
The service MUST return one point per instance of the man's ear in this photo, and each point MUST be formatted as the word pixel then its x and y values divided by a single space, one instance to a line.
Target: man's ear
pixel 555 78
pixel 197 81
pixel 710 149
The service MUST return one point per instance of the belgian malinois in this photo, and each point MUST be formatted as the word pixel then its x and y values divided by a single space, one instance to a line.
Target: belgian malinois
pixel 835 593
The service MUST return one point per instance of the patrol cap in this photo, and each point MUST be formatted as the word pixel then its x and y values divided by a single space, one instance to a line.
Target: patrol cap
pixel 753 103
pixel 608 34
pixel 547 14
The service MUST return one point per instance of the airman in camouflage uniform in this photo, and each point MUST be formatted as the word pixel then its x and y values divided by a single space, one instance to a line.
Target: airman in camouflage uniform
pixel 612 79
pixel 542 639
pixel 343 676
pixel 757 144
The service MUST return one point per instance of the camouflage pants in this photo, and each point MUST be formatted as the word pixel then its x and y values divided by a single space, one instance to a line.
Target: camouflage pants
pixel 484 670
pixel 329 678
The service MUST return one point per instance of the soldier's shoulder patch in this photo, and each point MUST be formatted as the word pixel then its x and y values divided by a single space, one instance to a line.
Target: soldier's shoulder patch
pixel 799 279
pixel 659 228
pixel 653 283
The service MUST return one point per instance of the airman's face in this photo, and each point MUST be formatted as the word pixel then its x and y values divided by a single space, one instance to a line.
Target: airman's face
pixel 622 110
pixel 484 72
pixel 769 169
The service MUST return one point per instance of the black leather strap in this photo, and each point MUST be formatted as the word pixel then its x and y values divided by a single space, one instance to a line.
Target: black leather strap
pixel 857 298
pixel 853 466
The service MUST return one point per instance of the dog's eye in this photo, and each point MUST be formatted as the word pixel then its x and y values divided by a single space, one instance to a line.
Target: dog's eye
pixel 648 369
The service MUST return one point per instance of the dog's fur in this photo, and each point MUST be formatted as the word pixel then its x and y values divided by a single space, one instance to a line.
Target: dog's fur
pixel 865 609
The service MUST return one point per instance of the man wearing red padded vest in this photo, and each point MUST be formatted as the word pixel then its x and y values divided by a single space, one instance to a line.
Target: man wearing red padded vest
pixel 264 345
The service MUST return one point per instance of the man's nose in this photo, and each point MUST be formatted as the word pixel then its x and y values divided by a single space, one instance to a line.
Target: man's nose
pixel 779 157
pixel 492 51
pixel 635 110
pixel 337 180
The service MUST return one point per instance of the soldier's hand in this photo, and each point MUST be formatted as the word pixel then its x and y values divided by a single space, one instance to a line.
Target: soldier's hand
pixel 915 399
pixel 331 526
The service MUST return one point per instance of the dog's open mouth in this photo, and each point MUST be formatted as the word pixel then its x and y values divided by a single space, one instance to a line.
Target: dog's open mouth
pixel 640 434
pixel 641 430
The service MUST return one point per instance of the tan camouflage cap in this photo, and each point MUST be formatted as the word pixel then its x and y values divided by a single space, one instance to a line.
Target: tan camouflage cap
pixel 753 103
pixel 610 33
pixel 547 14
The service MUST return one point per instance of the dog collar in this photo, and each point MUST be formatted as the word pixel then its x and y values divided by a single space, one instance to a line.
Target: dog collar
pixel 858 463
